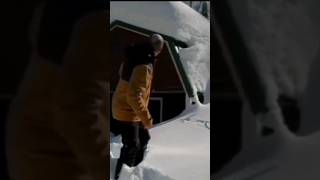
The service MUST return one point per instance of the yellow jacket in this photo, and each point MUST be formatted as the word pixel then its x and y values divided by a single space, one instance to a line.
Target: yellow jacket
pixel 130 99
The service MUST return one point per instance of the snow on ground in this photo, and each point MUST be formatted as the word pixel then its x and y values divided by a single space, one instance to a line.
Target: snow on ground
pixel 177 20
pixel 178 150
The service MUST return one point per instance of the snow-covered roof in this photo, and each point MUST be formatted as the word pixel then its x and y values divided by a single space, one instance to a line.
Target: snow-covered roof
pixel 171 18
pixel 177 20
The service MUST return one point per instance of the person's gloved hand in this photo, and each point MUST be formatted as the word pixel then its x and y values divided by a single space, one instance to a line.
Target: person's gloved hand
pixel 148 124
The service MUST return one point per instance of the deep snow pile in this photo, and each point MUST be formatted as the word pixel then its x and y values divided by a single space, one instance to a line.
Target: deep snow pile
pixel 178 150
pixel 177 20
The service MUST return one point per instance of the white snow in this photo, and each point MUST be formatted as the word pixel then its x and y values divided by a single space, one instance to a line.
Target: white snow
pixel 178 150
pixel 177 20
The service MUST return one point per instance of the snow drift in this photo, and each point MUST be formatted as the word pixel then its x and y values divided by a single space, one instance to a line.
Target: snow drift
pixel 179 149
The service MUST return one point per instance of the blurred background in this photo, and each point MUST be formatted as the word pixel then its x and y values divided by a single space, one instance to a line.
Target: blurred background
pixel 265 58
pixel 15 19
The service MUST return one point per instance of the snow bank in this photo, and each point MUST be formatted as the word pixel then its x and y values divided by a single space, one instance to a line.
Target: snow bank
pixel 177 20
pixel 178 150
pixel 142 172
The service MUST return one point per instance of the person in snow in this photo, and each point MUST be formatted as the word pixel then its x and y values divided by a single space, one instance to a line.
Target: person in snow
pixel 57 122
pixel 131 98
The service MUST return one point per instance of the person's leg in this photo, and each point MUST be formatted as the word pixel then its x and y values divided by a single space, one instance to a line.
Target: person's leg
pixel 131 144
pixel 144 138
